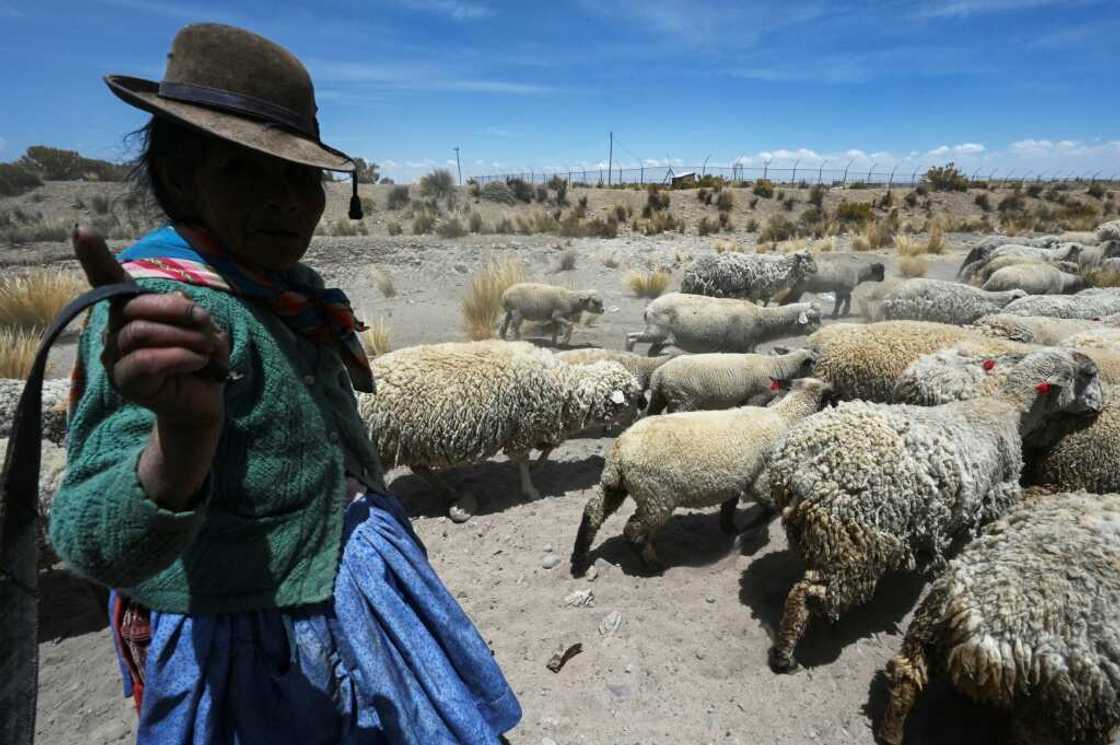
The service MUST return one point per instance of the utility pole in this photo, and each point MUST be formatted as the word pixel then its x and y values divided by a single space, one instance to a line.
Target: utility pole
pixel 458 167
pixel 610 160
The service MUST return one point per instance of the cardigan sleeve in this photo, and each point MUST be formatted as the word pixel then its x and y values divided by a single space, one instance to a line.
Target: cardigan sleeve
pixel 102 523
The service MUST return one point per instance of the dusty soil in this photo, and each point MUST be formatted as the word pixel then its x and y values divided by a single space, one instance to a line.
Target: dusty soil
pixel 687 663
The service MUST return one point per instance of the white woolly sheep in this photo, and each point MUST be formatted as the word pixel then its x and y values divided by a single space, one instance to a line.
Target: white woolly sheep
pixel 1024 620
pixel 452 405
pixel 692 459
pixel 1049 253
pixel 868 297
pixel 696 382
pixel 1085 304
pixel 981 275
pixel 55 394
pixel 839 274
pixel 547 303
pixel 1078 453
pixel 1035 279
pixel 863 361
pixel 864 489
pixel 1042 330
pixel 640 366
pixel 1095 257
pixel 943 302
pixel 695 323
pixel 754 277
pixel 1098 338
pixel 1108 231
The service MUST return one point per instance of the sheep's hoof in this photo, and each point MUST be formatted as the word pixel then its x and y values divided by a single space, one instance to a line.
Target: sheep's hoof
pixel 463 509
pixel 781 662
pixel 579 567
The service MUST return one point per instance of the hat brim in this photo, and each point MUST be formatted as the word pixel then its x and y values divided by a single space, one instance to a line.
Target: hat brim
pixel 253 134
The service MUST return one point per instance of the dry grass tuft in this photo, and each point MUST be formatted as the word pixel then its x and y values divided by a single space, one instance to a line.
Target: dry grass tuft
pixel 1102 278
pixel 383 282
pixel 376 338
pixel 611 262
pixel 936 242
pixel 483 301
pixel 568 260
pixel 33 300
pixel 824 245
pixel 648 284
pixel 17 352
pixel 907 246
pixel 913 266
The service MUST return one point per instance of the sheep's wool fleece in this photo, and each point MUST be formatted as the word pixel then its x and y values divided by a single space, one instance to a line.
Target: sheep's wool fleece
pixel 872 485
pixel 55 393
pixel 639 365
pixel 455 404
pixel 941 302
pixel 863 361
pixel 1081 305
pixel 737 275
pixel 1043 330
pixel 1028 616
pixel 1087 457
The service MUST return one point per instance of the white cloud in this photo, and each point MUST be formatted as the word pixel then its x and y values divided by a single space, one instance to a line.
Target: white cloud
pixel 460 10
pixel 942 9
pixel 404 76
pixel 962 150
pixel 493 132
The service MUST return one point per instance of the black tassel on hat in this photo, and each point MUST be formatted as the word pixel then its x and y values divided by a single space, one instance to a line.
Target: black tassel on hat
pixel 355 203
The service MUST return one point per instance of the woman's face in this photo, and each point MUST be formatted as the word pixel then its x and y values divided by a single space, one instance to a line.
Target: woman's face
pixel 263 209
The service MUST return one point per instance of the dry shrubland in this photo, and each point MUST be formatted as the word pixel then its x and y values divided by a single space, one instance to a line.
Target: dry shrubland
pixel 913 266
pixel 482 303
pixel 17 352
pixel 32 301
pixel 648 284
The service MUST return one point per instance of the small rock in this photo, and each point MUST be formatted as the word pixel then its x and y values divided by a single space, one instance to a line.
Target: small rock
pixel 548 548
pixel 710 599
pixel 699 655
pixel 580 599
pixel 550 561
pixel 592 573
pixel 463 509
pixel 611 623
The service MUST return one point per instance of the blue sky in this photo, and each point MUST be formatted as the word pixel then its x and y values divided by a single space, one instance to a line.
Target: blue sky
pixel 1013 85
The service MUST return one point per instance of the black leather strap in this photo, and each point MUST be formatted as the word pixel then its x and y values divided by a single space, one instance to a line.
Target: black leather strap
pixel 239 103
pixel 19 541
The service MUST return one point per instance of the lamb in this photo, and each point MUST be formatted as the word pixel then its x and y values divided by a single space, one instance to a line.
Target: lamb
pixel 694 323
pixel 692 459
pixel 1085 304
pixel 1041 330
pixel 640 366
pixel 839 274
pixel 447 405
pixel 864 489
pixel 747 276
pixel 547 303
pixel 55 394
pixel 1035 279
pixel 944 302
pixel 1025 620
pixel 720 381
pixel 863 361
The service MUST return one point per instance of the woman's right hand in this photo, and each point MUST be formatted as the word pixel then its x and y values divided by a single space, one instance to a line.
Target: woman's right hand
pixel 155 344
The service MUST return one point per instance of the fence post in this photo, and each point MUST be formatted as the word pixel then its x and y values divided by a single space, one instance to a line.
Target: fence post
pixel 845 181
pixel 793 178
pixel 765 169
pixel 890 181
pixel 914 178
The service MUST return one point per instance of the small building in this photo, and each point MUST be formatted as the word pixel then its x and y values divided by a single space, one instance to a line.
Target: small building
pixel 683 178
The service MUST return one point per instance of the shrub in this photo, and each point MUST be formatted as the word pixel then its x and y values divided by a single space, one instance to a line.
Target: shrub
pixel 936 242
pixel 816 196
pixel 567 260
pixel 504 226
pixel 17 352
pixel 789 204
pixel 344 228
pixel 474 190
pixel 856 213
pixel 541 193
pixel 725 201
pixel 656 200
pixel 907 246
pixel 30 302
pixel 1034 190
pixel 983 202
pixel 394 228
pixel 498 191
pixel 15 180
pixel 811 220
pixel 451 228
pixel 1013 202
pixel 753 203
pixel 763 188
pixel 778 228
pixel 599 228
pixel 474 223
pixel 423 223
pixel 648 284
pixel 947 178
pixel 100 204
pixel 398 197
pixel 752 225
pixel 887 200
pixel 703 196
pixel 376 338
pixel 725 222
pixel 921 190
pixel 661 222
pixel 706 226
pixel 521 189
pixel 1095 190
pixel 382 281
pixel 913 266
pixel 911 199
pixel 483 301
pixel 438 184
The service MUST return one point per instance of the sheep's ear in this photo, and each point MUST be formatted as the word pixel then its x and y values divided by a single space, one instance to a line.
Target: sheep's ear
pixel 803 318
pixel 779 350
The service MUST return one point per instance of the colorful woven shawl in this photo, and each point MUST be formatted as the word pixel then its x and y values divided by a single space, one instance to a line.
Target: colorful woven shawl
pixel 322 315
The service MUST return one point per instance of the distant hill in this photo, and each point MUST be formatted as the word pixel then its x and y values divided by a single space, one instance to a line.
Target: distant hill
pixel 41 163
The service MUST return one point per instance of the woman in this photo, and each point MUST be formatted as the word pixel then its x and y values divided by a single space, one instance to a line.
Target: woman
pixel 267 588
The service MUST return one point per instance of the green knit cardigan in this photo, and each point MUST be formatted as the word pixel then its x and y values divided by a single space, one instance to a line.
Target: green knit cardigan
pixel 266 531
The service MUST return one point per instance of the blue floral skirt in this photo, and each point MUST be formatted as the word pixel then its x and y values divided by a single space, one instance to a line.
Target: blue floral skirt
pixel 391 658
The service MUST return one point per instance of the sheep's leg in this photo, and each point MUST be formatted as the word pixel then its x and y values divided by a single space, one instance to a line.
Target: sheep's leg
pixel 517 319
pixel 727 516
pixel 639 532
pixel 795 619
pixel 645 337
pixel 836 306
pixel 847 305
pixel 505 324
pixel 559 321
pixel 602 505
pixel 527 488
pixel 545 452
pixel 909 675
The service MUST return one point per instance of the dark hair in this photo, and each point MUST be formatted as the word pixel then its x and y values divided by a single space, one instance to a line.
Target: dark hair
pixel 173 143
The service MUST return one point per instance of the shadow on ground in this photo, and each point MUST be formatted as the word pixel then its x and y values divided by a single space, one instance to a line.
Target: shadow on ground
pixel 941 716
pixel 70 606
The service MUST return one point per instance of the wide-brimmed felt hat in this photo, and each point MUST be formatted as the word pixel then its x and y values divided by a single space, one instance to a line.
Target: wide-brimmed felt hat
pixel 240 87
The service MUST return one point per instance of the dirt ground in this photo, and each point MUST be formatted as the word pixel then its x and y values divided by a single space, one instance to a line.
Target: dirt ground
pixel 687 664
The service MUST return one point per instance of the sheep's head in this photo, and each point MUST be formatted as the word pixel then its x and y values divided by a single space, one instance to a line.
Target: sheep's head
pixel 812 391
pixel 591 301
pixel 878 272
pixel 1051 383
pixel 808 318
pixel 805 262
pixel 601 393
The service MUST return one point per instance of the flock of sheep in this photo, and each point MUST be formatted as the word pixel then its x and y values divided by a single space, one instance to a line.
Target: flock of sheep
pixel 984 417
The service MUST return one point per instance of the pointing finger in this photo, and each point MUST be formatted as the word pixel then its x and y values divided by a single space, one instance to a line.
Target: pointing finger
pixel 96 259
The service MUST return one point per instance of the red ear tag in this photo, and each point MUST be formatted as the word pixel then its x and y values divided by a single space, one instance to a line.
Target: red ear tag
pixel 1043 389
pixel 775 384
pixel 988 365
